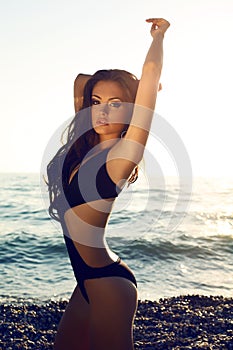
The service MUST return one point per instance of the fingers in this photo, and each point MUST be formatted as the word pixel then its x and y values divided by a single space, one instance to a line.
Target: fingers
pixel 156 20
pixel 158 23
pixel 153 19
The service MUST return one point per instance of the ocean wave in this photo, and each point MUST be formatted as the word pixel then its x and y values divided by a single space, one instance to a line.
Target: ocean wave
pixel 194 255
pixel 34 249
pixel 161 249
pixel 28 248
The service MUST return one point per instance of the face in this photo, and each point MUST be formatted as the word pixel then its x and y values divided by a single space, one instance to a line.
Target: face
pixel 109 112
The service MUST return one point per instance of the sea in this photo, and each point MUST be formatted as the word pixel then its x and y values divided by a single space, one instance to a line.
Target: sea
pixel 177 239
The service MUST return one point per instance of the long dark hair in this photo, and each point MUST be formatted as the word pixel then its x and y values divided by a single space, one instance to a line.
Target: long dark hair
pixel 81 137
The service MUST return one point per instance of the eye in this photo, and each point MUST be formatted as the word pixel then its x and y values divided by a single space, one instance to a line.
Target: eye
pixel 94 102
pixel 116 104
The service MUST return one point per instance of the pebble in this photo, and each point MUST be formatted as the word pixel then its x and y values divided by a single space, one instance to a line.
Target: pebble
pixel 178 323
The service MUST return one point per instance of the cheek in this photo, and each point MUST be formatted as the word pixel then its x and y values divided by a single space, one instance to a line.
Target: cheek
pixel 93 115
pixel 125 118
pixel 122 117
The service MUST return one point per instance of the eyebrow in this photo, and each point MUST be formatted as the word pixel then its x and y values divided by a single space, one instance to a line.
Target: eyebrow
pixel 112 98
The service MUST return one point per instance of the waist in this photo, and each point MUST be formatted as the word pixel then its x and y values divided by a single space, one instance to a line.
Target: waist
pixel 91 256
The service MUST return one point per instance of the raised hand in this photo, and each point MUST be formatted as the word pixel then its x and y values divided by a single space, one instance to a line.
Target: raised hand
pixel 158 25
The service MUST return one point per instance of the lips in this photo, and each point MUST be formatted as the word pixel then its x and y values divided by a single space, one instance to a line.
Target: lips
pixel 102 121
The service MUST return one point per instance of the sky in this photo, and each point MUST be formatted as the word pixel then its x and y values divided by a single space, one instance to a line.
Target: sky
pixel 45 44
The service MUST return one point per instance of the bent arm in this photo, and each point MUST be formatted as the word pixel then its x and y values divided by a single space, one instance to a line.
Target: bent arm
pixel 79 84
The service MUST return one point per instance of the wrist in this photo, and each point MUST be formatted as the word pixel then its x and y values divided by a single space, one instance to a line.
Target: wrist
pixel 158 34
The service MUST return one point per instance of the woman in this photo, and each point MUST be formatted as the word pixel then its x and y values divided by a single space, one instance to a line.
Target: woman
pixel 105 142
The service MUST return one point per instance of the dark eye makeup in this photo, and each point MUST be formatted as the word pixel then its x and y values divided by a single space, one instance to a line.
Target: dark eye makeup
pixel 94 102
pixel 113 104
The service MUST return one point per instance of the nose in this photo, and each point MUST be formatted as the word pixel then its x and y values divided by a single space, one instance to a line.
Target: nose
pixel 104 108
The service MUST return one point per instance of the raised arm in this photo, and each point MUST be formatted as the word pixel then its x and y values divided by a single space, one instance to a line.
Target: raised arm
pixel 152 67
pixel 149 84
pixel 131 147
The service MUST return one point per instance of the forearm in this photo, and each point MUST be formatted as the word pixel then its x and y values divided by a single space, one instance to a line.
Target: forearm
pixel 154 58
pixel 151 72
pixel 147 93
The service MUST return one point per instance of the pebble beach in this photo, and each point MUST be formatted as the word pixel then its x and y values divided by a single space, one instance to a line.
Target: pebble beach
pixel 185 322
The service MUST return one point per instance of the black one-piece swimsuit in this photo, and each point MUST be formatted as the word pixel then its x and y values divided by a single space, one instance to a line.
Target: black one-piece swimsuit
pixel 91 188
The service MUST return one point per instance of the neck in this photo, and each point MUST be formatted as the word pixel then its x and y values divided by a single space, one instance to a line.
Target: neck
pixel 107 143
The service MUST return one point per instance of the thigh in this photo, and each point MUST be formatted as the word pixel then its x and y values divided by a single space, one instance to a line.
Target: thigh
pixel 113 303
pixel 73 330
